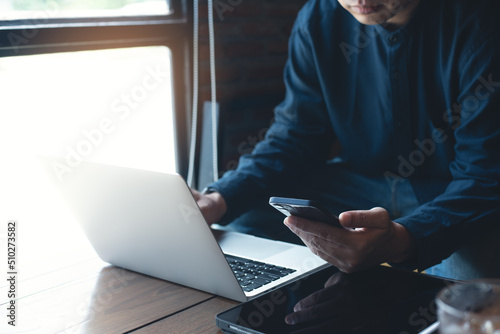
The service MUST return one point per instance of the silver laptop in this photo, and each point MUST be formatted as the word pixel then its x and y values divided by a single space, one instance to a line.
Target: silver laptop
pixel 150 223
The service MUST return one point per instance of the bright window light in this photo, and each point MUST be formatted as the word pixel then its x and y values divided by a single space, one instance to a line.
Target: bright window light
pixel 111 106
pixel 40 11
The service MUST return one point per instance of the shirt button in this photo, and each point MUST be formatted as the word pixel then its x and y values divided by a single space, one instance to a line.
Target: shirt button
pixel 397 75
pixel 394 38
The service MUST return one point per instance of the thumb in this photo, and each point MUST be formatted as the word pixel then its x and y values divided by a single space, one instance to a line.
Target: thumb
pixel 196 194
pixel 373 218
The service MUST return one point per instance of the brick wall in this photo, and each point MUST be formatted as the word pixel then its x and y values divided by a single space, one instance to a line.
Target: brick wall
pixel 251 38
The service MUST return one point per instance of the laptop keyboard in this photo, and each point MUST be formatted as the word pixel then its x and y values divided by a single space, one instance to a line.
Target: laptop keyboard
pixel 253 274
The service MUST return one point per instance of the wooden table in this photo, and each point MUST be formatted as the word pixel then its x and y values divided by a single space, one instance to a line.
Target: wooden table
pixel 63 287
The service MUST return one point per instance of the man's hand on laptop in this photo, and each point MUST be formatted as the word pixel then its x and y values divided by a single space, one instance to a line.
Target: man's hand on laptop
pixel 368 239
pixel 212 206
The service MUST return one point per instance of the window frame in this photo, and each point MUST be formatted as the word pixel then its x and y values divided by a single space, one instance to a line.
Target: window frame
pixel 174 30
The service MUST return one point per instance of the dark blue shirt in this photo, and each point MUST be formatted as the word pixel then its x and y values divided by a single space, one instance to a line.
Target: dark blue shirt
pixel 421 103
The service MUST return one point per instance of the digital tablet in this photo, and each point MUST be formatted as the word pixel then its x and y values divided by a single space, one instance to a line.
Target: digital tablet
pixel 380 300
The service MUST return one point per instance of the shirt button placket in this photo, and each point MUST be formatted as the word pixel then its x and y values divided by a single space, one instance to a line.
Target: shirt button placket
pixel 399 87
pixel 394 39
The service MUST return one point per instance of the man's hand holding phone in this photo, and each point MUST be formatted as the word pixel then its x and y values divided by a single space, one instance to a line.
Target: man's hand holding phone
pixel 305 209
pixel 368 238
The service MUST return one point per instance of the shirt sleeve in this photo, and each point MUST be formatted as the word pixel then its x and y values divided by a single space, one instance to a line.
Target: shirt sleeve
pixel 470 205
pixel 299 138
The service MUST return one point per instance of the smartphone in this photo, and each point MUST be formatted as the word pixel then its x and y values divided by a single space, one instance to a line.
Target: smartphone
pixel 305 209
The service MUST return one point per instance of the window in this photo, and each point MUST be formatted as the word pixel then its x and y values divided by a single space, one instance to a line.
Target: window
pixel 59 29
pixel 42 10
pixel 101 34
pixel 110 106
pixel 101 80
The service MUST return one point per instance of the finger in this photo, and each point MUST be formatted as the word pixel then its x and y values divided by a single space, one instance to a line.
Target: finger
pixel 335 255
pixel 318 239
pixel 196 194
pixel 311 313
pixel 324 296
pixel 374 218
pixel 307 229
pixel 346 249
pixel 305 315
pixel 323 304
pixel 336 259
pixel 335 279
pixel 325 249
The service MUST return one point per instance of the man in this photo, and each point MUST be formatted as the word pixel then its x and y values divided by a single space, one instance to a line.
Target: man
pixel 410 91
